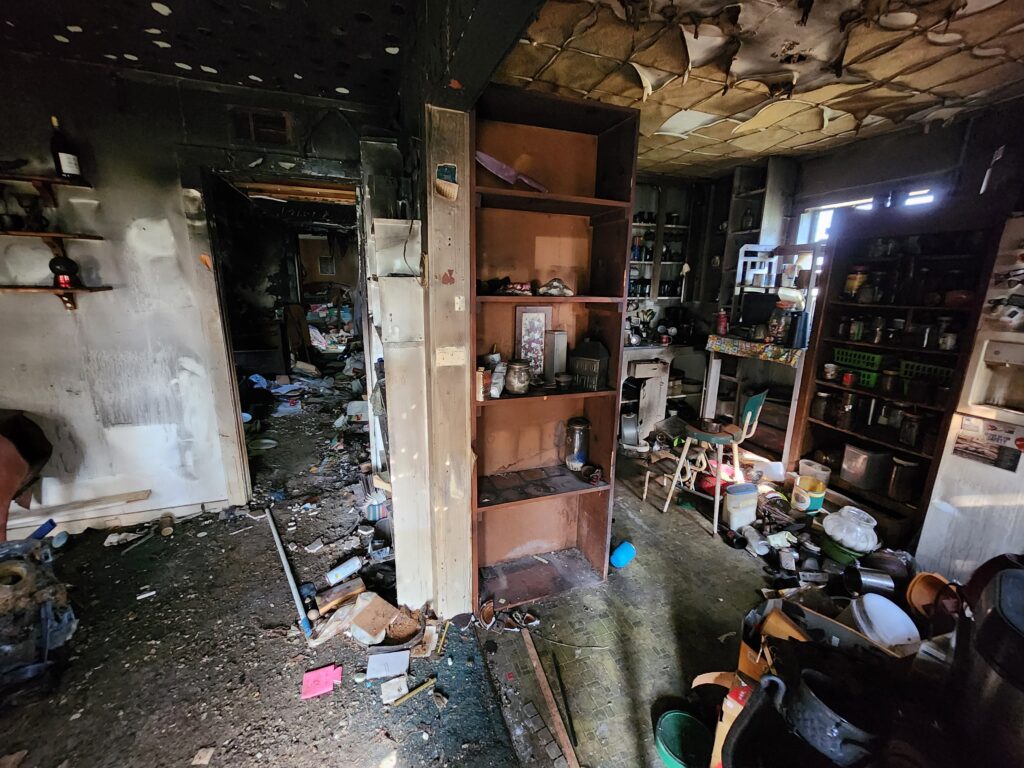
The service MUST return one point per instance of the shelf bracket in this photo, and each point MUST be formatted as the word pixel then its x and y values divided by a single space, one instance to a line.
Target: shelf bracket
pixel 68 300
pixel 45 191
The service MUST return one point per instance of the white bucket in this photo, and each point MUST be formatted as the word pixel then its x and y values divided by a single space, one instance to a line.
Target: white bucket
pixel 884 623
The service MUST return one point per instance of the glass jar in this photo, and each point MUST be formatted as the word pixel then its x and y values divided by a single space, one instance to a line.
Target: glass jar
pixel 905 480
pixel 889 382
pixel 821 406
pixel 847 407
pixel 852 528
pixel 911 429
pixel 844 327
pixel 856 329
pixel 577 443
pixel 856 277
pixel 517 377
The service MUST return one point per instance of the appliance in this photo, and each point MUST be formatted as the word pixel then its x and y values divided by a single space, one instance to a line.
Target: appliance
pixel 977 506
pixel 988 672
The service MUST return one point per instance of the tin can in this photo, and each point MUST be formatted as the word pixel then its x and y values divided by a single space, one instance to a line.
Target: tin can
pixel 849 379
pixel 856 329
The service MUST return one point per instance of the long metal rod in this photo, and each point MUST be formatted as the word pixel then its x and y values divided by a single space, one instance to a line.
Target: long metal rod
pixel 307 628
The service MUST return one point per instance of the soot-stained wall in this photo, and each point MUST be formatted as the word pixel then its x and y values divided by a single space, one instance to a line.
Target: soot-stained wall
pixel 135 388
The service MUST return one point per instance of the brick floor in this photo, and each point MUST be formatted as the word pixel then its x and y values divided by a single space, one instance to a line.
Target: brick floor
pixel 639 638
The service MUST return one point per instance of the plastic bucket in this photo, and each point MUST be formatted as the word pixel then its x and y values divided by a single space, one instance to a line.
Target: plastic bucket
pixel 740 505
pixel 813 469
pixel 623 555
pixel 808 494
pixel 683 741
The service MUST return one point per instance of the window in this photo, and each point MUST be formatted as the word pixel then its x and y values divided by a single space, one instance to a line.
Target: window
pixel 815 222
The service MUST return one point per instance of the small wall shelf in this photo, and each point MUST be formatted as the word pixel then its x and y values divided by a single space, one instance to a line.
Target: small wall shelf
pixel 66 295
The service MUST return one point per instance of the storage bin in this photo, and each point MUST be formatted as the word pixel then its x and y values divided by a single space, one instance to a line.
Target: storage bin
pixel 911 369
pixel 815 470
pixel 865 468
pixel 740 505
pixel 855 358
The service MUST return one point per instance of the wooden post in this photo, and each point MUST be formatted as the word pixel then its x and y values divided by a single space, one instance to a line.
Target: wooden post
pixel 450 357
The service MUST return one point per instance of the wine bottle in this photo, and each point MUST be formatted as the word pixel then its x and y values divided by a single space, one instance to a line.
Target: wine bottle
pixel 65 156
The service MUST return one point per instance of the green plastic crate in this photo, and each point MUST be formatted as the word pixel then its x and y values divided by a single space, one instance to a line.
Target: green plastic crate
pixel 854 358
pixel 866 379
pixel 911 369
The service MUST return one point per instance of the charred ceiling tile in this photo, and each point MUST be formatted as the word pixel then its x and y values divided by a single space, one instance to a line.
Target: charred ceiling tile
pixel 954 67
pixel 979 27
pixel 761 141
pixel 653 117
pixel 982 81
pixel 732 101
pixel 579 72
pixel 685 94
pixel 524 61
pixel 776 113
pixel 685 121
pixel 623 81
pixel 720 130
pixel 652 79
pixel 603 34
pixel 557 20
pixel 913 53
pixel 666 51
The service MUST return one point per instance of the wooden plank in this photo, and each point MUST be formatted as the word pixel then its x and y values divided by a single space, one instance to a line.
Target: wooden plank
pixel 49 235
pixel 50 289
pixel 97 503
pixel 450 360
pixel 527 436
pixel 555 718
pixel 546 202
pixel 330 599
pixel 563 161
pixel 341 194
pixel 534 577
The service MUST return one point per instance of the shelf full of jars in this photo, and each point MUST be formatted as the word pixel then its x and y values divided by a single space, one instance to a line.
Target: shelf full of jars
pixel 894 333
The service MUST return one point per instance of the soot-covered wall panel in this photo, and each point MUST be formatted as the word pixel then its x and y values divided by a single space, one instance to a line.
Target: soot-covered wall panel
pixel 133 388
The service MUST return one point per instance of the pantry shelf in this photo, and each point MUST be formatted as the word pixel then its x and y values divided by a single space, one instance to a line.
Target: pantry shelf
pixel 893 348
pixel 879 395
pixel 867 438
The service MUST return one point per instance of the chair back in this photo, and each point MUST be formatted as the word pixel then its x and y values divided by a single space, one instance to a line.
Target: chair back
pixel 751 413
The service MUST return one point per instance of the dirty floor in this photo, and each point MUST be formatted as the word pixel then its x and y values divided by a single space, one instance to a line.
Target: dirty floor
pixel 629 648
pixel 211 660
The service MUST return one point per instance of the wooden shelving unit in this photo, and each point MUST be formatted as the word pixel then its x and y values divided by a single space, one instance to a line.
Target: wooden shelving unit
pixel 537 527
pixel 856 236
pixel 54 240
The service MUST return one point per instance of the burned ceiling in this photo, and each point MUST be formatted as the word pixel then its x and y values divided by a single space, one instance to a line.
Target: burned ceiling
pixel 720 83
pixel 351 50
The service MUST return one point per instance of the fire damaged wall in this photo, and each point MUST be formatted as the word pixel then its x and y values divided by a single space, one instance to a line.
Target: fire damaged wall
pixel 135 389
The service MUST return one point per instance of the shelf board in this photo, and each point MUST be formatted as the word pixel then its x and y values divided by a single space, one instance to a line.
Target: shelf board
pixel 50 289
pixel 872 497
pixel 898 306
pixel 879 395
pixel 884 443
pixel 545 394
pixel 663 263
pixel 510 489
pixel 750 192
pixel 49 235
pixel 665 298
pixel 55 181
pixel 547 202
pixel 527 579
pixel 893 348
pixel 677 227
pixel 550 299
pixel 684 395
pixel 643 225
pixel 753 231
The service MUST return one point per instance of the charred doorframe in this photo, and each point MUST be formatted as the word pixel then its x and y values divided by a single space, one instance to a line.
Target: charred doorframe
pixel 193 164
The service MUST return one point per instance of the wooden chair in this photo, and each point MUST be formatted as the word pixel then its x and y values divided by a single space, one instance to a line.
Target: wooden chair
pixel 732 435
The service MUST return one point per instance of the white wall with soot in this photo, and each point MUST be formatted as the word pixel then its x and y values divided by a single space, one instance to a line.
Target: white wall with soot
pixel 134 389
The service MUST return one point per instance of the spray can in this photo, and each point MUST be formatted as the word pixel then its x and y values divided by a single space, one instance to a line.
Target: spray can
pixel 340 573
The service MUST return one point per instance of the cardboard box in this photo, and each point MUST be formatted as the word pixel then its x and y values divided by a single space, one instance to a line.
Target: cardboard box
pixel 732 705
pixel 788 620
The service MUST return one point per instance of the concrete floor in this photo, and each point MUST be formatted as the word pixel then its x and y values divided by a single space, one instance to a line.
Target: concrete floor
pixel 633 644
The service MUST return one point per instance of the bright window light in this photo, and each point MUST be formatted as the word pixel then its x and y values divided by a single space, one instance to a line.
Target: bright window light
pixel 865 207
pixel 822 223
pixel 919 197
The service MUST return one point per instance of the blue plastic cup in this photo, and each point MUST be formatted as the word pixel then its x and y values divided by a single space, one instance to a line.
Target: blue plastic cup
pixel 623 555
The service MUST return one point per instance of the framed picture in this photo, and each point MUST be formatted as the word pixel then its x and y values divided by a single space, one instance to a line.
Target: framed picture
pixel 531 322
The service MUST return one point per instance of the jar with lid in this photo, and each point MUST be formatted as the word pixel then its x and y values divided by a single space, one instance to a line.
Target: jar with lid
pixel 856 329
pixel 885 286
pixel 577 443
pixel 887 416
pixel 517 377
pixel 889 382
pixel 877 333
pixel 847 406
pixel 856 277
pixel 911 429
pixel 821 407
pixel 904 480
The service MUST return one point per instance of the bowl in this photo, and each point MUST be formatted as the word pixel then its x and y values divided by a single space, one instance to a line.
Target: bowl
pixel 831 548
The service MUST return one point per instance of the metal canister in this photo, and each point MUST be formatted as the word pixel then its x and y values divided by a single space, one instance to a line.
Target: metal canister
pixel 577 443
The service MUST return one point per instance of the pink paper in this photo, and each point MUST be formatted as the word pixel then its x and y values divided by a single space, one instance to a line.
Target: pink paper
pixel 317 682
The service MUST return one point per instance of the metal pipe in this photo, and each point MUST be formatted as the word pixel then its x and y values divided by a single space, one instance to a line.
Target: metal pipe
pixel 307 628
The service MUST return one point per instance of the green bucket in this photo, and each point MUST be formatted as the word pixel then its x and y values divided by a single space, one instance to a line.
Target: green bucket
pixel 683 741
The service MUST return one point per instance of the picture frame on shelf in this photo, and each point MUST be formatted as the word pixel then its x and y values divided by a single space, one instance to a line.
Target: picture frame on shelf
pixel 531 323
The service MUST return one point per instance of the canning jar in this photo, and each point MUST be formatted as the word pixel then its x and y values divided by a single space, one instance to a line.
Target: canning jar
pixel 910 429
pixel 821 405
